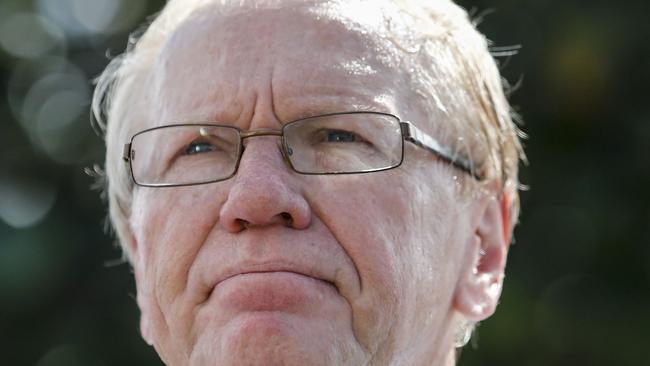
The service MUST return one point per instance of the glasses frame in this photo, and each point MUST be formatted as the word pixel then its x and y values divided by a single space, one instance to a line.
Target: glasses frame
pixel 408 131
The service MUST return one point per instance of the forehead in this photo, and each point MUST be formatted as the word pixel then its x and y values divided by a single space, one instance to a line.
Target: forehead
pixel 226 56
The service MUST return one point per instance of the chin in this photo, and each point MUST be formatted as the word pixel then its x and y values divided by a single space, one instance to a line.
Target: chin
pixel 274 338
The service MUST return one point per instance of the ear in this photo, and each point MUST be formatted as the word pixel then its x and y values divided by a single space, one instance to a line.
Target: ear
pixel 479 287
pixel 137 262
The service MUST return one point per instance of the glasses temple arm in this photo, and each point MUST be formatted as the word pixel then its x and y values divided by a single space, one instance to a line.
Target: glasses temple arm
pixel 422 139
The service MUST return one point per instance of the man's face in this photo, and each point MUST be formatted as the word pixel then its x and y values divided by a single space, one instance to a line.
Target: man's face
pixel 276 268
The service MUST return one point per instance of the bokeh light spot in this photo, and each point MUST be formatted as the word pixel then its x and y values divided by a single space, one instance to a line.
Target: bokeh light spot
pixel 55 118
pixel 83 18
pixel 29 35
pixel 24 202
pixel 53 113
pixel 96 15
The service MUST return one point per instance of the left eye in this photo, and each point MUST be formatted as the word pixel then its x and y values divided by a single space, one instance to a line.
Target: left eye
pixel 199 147
pixel 341 136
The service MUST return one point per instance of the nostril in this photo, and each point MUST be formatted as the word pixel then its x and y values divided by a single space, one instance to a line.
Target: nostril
pixel 283 218
pixel 241 224
pixel 287 218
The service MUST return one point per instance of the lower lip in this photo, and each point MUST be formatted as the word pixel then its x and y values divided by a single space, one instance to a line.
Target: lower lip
pixel 272 291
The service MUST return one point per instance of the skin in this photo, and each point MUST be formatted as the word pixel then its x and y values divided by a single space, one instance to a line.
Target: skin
pixel 276 268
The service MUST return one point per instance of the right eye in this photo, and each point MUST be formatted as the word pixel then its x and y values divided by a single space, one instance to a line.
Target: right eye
pixel 341 136
pixel 198 147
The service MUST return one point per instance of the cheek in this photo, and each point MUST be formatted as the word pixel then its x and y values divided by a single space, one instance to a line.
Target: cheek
pixel 170 226
pixel 387 223
pixel 398 234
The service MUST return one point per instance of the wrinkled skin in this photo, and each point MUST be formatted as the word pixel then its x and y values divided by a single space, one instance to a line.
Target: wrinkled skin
pixel 276 268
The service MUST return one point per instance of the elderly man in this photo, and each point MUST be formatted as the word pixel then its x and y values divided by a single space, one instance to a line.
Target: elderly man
pixel 308 182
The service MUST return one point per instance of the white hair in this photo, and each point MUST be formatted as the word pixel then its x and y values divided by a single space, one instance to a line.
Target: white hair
pixel 121 90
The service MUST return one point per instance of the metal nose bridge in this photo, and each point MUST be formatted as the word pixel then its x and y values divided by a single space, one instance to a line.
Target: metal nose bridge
pixel 286 152
pixel 261 132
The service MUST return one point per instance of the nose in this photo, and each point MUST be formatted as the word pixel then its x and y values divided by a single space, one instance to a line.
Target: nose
pixel 263 192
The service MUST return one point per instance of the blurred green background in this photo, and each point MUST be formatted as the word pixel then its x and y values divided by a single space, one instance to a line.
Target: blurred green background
pixel 577 290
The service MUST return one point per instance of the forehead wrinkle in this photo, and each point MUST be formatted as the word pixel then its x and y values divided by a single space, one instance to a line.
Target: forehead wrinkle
pixel 302 106
pixel 332 12
pixel 391 65
pixel 337 82
pixel 402 39
pixel 326 30
pixel 224 101
pixel 394 40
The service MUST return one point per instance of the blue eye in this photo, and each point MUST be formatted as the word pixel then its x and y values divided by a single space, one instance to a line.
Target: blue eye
pixel 199 147
pixel 341 136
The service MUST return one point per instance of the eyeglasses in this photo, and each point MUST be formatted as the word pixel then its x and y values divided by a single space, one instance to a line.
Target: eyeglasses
pixel 335 143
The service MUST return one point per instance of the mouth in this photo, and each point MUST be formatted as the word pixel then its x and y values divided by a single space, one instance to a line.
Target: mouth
pixel 282 290
pixel 280 272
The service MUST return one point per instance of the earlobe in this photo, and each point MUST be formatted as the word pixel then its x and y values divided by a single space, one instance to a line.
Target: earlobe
pixel 479 287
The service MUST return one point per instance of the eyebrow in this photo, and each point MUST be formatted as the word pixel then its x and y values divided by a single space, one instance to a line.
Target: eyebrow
pixel 305 110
